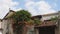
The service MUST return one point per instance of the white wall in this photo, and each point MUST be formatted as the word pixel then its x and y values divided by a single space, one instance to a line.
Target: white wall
pixel 48 17
pixel 7 26
pixel 4 26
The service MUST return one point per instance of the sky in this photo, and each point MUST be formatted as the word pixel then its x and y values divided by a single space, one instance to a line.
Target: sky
pixel 35 7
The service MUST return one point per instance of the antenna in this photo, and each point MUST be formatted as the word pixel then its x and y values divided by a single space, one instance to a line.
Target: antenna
pixel 9 8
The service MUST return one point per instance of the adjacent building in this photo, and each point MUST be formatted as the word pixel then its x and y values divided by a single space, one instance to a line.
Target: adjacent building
pixel 47 26
pixel 49 16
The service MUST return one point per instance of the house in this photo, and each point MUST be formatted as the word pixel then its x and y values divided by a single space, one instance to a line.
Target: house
pixel 6 23
pixel 46 27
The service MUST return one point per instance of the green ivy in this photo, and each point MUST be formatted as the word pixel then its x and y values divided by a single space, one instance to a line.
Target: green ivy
pixel 20 16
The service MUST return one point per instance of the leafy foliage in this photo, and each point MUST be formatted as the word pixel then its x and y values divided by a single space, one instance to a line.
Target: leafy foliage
pixel 31 22
pixel 20 18
pixel 55 18
pixel 22 15
pixel 37 21
pixel 18 28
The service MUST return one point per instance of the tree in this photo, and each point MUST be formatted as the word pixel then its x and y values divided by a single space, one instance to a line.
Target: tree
pixel 20 17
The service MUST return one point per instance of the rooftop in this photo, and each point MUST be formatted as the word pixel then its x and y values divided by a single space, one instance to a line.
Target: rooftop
pixel 47 23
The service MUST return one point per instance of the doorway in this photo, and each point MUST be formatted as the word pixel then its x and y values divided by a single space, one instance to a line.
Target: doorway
pixel 47 30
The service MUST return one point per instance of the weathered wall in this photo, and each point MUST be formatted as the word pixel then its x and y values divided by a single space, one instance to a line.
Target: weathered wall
pixel 4 26
pixel 7 27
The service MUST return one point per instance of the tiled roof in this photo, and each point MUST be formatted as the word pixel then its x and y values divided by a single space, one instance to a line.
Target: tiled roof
pixel 46 23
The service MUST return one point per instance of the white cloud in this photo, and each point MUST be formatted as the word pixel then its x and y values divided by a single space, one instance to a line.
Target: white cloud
pixel 5 5
pixel 40 7
pixel 35 8
pixel 17 9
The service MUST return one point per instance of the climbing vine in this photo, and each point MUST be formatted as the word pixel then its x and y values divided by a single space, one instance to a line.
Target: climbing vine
pixel 20 17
